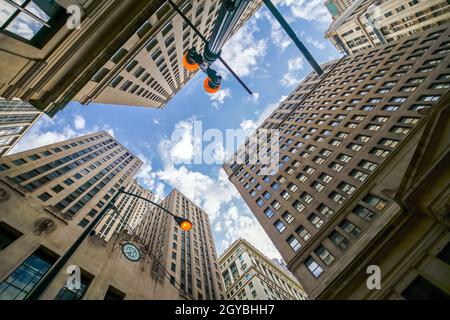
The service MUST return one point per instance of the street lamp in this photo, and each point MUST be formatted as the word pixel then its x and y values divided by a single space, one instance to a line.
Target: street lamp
pixel 183 223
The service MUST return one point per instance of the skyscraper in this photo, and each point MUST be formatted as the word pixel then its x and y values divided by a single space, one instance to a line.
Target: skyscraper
pixel 125 52
pixel 189 257
pixel 16 117
pixel 337 7
pixel 249 275
pixel 48 196
pixel 347 139
pixel 367 23
pixel 131 210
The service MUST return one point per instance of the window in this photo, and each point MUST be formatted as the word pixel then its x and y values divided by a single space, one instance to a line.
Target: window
pixel 316 221
pixel 429 98
pixel 7 235
pixel 359 175
pixel 269 212
pixel 285 195
pixel 444 255
pixel 280 226
pixel 314 267
pixel 339 240
pixel 119 55
pixel 57 189
pixel 375 202
pixel 293 187
pixel 382 153
pixel 318 186
pixel 260 202
pixel 45 197
pixel 114 294
pixel 275 186
pixel 409 120
pixel 298 206
pixel 68 182
pixel 307 197
pixel 364 213
pixel 303 233
pixel 19 162
pixel 267 195
pixel 20 283
pixel 276 205
pixel 100 75
pixel 288 217
pixel 325 211
pixel 350 228
pixel 422 289
pixel 400 130
pixel 325 255
pixel 347 188
pixel 294 243
pixel 83 223
pixel 76 294
pixel 302 177
pixel 336 167
pixel 35 23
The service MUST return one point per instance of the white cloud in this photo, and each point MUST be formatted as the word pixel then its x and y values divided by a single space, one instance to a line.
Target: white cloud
pixel 147 178
pixel 243 52
pixel 310 10
pixel 180 148
pixel 79 122
pixel 219 97
pixel 244 225
pixel 248 125
pixel 315 43
pixel 279 37
pixel 252 125
pixel 214 193
pixel 43 133
pixel 292 78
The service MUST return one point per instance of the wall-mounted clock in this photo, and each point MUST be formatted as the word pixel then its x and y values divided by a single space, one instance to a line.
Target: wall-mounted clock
pixel 131 252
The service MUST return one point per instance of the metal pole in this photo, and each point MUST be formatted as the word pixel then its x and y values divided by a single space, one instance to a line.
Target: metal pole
pixel 199 34
pixel 294 37
pixel 57 267
pixel 153 203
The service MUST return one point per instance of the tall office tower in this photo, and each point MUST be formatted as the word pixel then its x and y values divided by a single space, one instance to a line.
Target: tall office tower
pixel 124 52
pixel 336 205
pixel 249 275
pixel 16 117
pixel 368 23
pixel 130 212
pixel 337 7
pixel 147 70
pixel 48 196
pixel 190 258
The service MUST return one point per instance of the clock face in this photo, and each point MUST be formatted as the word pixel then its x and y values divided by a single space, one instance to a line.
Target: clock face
pixel 131 252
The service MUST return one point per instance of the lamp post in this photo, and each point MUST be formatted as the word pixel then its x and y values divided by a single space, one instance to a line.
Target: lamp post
pixel 183 223
pixel 39 289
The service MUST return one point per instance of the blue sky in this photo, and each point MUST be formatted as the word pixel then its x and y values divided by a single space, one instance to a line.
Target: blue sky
pixel 266 60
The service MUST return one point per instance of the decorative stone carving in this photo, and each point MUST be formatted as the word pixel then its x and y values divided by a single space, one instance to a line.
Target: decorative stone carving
pixel 4 195
pixel 44 226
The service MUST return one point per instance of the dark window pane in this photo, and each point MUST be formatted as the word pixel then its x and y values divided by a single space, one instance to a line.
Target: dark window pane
pixel 114 294
pixel 20 283
pixel 422 289
pixel 444 255
pixel 7 235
